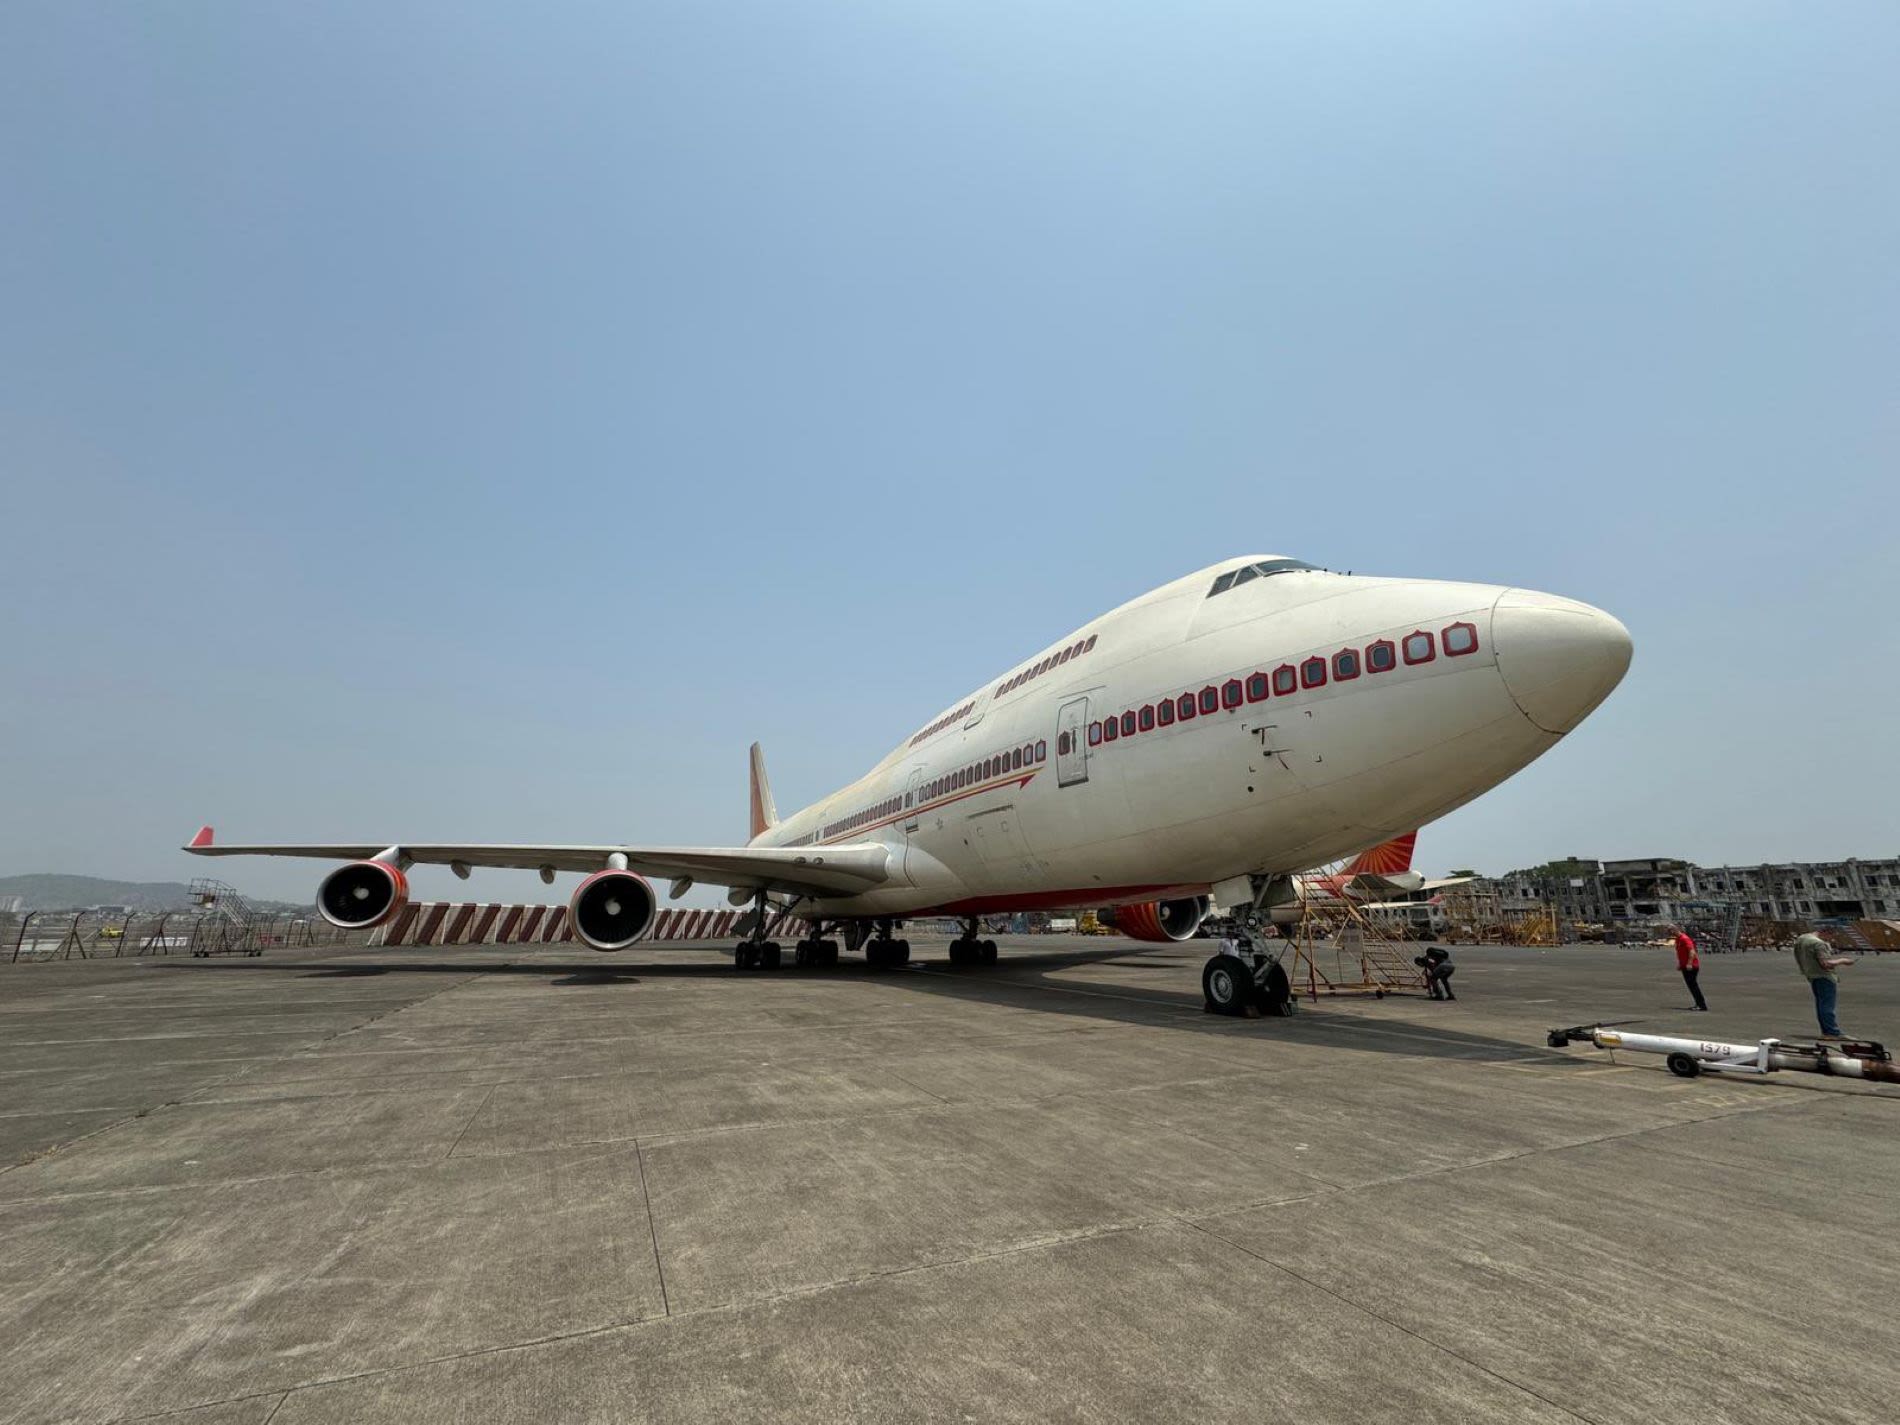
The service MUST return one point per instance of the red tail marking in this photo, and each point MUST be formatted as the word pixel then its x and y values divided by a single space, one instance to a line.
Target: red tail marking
pixel 1387 859
pixel 203 838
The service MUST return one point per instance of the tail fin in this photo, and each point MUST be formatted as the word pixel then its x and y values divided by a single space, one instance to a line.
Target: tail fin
pixel 1387 859
pixel 764 811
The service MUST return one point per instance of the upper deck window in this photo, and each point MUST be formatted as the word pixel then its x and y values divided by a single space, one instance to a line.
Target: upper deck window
pixel 1263 569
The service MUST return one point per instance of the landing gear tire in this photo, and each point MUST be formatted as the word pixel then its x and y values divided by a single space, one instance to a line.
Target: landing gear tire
pixel 801 954
pixel 827 954
pixel 900 952
pixel 1683 1066
pixel 770 956
pixel 1227 985
pixel 987 952
pixel 746 956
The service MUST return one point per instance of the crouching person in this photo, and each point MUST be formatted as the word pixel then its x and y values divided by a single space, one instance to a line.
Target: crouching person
pixel 1436 963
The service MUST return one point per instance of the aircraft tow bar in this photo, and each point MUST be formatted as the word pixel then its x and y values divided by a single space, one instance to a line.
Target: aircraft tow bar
pixel 1843 1058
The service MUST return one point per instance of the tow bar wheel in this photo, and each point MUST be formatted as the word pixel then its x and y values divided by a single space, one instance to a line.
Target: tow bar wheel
pixel 1227 985
pixel 1683 1066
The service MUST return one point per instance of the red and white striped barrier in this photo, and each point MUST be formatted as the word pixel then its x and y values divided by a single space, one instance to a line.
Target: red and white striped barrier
pixel 472 923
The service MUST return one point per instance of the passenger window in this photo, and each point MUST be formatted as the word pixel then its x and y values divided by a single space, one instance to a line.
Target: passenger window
pixel 1419 648
pixel 1210 699
pixel 1184 705
pixel 1313 673
pixel 1381 657
pixel 1460 639
pixel 1042 751
pixel 1164 711
pixel 1230 693
pixel 1345 665
pixel 1087 647
pixel 1110 729
pixel 1016 755
pixel 1128 724
pixel 1285 680
pixel 1256 687
pixel 1146 720
pixel 1095 734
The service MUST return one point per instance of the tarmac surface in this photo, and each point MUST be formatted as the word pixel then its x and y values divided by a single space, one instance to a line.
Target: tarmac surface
pixel 525 1183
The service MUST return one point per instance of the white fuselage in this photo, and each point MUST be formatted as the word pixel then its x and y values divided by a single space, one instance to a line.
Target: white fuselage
pixel 1017 797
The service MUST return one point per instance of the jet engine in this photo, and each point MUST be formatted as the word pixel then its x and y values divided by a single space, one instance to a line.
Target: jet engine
pixel 362 894
pixel 1160 920
pixel 612 909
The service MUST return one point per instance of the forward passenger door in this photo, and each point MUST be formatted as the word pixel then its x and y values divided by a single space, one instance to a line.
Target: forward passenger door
pixel 1072 752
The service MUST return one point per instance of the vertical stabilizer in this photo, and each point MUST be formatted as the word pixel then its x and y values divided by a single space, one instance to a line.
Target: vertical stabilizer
pixel 1387 859
pixel 764 812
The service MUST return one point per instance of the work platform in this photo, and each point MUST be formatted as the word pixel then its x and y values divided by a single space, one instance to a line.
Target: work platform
pixel 533 1183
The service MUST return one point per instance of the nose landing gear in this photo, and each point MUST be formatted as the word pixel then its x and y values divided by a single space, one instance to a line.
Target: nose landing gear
pixel 1245 981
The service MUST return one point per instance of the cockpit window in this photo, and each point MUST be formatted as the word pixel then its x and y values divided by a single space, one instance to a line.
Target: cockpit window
pixel 1265 568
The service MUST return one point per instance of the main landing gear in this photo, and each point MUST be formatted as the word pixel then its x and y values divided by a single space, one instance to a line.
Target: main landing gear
pixel 815 952
pixel 881 952
pixel 966 949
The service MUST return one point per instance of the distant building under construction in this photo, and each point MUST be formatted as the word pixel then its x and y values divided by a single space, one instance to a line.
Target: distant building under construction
pixel 1735 904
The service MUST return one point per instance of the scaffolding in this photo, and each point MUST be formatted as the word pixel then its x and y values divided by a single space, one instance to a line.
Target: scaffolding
pixel 1338 949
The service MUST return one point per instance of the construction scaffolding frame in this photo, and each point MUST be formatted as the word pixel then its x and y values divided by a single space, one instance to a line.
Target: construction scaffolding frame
pixel 1339 950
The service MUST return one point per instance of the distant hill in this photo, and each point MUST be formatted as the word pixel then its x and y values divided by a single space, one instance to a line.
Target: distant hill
pixel 78 892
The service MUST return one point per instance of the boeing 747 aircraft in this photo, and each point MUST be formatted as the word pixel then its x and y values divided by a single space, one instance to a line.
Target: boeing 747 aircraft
pixel 1192 750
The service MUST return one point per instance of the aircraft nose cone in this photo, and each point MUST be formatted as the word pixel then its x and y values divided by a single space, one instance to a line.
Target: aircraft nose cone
pixel 1558 658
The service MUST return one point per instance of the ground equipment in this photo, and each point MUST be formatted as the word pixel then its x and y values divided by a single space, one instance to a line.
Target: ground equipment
pixel 1843 1058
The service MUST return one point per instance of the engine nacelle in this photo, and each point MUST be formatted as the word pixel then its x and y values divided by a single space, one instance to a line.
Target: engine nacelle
pixel 612 909
pixel 1165 921
pixel 362 894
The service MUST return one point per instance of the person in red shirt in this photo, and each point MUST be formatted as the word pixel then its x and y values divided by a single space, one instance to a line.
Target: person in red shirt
pixel 1690 964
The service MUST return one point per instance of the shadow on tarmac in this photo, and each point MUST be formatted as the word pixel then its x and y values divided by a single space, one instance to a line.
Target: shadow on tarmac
pixel 1025 981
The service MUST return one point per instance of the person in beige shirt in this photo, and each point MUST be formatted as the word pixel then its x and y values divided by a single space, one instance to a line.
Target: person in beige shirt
pixel 1813 958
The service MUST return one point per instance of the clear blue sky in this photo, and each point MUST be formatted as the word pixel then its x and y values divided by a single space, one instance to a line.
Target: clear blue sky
pixel 482 421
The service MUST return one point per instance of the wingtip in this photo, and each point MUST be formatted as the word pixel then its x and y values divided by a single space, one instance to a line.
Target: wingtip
pixel 201 840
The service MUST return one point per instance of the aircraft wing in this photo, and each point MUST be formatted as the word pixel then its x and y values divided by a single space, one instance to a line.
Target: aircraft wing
pixel 812 870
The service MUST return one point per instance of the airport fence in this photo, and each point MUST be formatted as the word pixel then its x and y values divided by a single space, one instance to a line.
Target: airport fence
pixel 110 935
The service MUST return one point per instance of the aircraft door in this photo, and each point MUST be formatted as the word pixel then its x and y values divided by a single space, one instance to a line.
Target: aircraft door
pixel 1072 750
pixel 911 800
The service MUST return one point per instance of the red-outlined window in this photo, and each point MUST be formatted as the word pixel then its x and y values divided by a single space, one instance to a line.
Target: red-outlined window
pixel 1418 647
pixel 1286 680
pixel 1230 694
pixel 1110 729
pixel 1210 699
pixel 1184 705
pixel 1016 754
pixel 1345 665
pixel 1145 719
pixel 1313 673
pixel 1029 750
pixel 1164 712
pixel 1382 656
pixel 1095 734
pixel 1256 687
pixel 1128 723
pixel 1042 750
pixel 1459 639
pixel 1089 644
